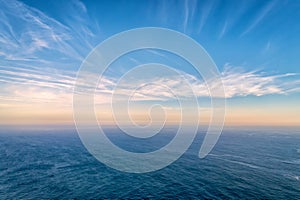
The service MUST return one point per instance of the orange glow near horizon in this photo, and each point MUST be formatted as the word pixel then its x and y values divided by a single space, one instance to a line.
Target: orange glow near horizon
pixel 47 114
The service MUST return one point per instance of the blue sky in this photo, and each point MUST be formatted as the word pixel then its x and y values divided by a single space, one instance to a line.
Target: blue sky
pixel 42 44
pixel 253 33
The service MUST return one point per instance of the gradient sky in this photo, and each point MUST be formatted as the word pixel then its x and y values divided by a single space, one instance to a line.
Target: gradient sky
pixel 255 45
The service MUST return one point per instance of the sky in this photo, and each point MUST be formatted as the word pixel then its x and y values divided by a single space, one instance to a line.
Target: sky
pixel 255 45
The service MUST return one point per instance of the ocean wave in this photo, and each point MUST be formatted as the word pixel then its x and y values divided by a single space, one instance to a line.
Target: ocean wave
pixel 235 161
pixel 225 155
pixel 292 176
pixel 295 162
pixel 245 164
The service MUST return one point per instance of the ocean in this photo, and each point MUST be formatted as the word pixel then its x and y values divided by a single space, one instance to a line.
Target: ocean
pixel 246 163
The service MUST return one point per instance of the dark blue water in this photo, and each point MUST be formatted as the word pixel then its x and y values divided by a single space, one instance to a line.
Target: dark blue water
pixel 245 163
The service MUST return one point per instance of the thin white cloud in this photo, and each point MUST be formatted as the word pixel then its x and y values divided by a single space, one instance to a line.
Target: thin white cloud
pixel 186 15
pixel 32 85
pixel 260 16
pixel 241 83
pixel 224 29
pixel 56 86
pixel 34 50
pixel 233 15
pixel 81 5
pixel 205 12
pixel 236 83
pixel 38 35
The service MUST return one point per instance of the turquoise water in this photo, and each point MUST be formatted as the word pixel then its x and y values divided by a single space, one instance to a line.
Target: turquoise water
pixel 245 163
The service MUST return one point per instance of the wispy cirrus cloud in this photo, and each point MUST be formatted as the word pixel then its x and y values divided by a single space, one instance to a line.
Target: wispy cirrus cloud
pixel 32 85
pixel 56 86
pixel 28 34
pixel 236 81
pixel 39 53
pixel 260 16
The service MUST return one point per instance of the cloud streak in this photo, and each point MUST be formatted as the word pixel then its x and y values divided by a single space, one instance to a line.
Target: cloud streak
pixel 38 36
pixel 260 16
pixel 236 83
pixel 56 86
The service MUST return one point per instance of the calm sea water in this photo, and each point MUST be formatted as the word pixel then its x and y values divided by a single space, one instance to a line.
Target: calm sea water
pixel 246 163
